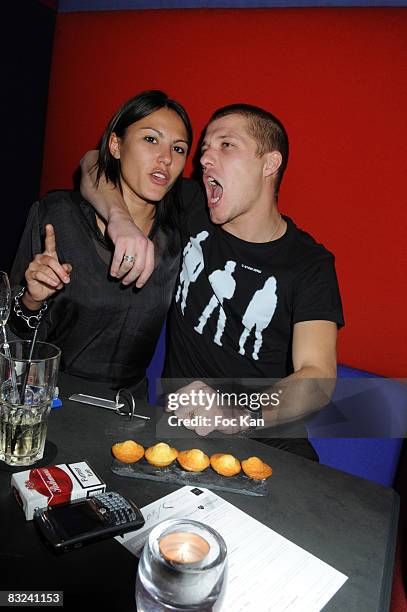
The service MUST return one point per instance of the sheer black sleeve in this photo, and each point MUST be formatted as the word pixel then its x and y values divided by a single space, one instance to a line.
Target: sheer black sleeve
pixel 30 245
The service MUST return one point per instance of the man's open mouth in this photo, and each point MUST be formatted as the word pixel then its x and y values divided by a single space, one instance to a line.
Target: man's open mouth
pixel 215 190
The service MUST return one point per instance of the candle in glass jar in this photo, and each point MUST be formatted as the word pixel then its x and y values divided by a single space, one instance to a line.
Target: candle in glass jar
pixel 183 547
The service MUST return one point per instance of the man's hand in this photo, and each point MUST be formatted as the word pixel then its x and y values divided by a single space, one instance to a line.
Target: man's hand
pixel 127 238
pixel 45 275
pixel 198 409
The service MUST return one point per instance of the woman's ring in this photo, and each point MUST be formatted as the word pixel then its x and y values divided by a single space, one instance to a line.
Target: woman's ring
pixel 129 258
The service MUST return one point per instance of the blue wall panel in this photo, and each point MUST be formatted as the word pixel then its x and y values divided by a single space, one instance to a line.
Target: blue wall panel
pixel 120 5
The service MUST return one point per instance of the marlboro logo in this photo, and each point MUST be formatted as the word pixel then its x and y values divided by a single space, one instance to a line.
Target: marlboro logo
pixel 52 482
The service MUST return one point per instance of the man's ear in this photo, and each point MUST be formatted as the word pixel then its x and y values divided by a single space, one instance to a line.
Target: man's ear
pixel 114 145
pixel 273 161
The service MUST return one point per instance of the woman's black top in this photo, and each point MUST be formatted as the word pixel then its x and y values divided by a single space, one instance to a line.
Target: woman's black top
pixel 107 331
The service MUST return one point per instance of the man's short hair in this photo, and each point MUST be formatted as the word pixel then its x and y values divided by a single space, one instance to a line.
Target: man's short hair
pixel 265 128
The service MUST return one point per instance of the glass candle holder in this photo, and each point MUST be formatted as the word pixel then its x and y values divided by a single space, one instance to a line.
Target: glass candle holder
pixel 182 567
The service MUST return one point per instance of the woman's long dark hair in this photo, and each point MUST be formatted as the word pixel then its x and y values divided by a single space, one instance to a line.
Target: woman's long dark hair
pixel 133 110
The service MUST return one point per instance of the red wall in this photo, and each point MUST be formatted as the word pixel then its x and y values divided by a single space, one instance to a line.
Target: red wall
pixel 338 80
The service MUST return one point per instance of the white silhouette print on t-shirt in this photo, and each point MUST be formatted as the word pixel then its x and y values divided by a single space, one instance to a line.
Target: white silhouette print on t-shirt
pixel 258 314
pixel 223 285
pixel 192 266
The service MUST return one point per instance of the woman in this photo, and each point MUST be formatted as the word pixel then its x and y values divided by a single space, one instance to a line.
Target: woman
pixel 107 331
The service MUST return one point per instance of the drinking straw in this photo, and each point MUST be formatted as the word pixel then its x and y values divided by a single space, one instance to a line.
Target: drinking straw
pixel 27 369
pixel 22 391
pixel 6 347
pixel 5 306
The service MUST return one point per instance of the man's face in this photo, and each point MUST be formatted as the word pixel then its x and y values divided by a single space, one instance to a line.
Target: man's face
pixel 233 173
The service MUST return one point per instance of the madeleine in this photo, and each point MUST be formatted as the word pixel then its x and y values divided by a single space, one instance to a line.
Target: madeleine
pixel 226 465
pixel 255 468
pixel 128 451
pixel 161 454
pixel 193 460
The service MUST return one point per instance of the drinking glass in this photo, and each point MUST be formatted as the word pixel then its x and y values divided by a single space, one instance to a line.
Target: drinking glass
pixel 28 377
pixel 182 567
pixel 5 302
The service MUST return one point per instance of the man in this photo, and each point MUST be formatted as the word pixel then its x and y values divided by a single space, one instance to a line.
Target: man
pixel 273 287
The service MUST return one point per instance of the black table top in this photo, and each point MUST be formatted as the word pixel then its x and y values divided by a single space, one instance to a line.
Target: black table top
pixel 347 522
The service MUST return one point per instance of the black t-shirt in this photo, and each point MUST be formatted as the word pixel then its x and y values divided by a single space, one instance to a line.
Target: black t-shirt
pixel 236 302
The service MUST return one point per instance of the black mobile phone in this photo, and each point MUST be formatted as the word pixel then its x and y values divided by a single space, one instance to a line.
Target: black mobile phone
pixel 72 525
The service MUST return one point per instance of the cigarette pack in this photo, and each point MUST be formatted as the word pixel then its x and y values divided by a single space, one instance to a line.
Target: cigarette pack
pixel 55 484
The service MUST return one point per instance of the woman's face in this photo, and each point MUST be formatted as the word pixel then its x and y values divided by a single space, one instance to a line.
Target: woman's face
pixel 152 155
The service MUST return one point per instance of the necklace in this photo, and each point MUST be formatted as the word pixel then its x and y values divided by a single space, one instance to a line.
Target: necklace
pixel 276 228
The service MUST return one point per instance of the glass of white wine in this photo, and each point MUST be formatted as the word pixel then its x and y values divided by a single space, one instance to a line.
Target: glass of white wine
pixel 5 307
pixel 5 302
pixel 28 377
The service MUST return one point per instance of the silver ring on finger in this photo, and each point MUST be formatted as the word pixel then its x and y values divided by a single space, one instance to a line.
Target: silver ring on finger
pixel 129 258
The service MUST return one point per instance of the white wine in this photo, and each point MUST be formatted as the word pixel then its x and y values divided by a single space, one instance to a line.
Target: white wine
pixel 23 431
pixel 28 374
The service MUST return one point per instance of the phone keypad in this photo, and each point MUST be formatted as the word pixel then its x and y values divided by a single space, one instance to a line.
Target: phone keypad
pixel 114 509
